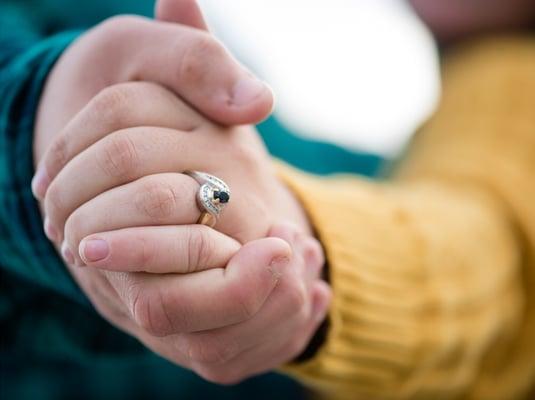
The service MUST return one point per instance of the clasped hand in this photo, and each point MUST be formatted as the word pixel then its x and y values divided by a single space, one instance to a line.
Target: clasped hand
pixel 130 106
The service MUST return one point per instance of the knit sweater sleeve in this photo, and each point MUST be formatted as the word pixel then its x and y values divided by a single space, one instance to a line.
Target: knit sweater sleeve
pixel 433 270
pixel 26 58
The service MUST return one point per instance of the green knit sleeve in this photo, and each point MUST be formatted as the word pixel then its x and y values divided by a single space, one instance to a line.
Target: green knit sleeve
pixel 25 60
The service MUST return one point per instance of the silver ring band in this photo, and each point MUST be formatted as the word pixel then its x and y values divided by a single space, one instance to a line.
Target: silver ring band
pixel 212 197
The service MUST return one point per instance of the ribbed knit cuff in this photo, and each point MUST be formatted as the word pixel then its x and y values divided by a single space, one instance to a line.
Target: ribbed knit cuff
pixel 359 302
pixel 396 292
pixel 23 245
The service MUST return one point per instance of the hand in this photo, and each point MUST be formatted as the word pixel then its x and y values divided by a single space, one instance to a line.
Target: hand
pixel 283 325
pixel 227 323
pixel 190 293
pixel 131 177
pixel 185 59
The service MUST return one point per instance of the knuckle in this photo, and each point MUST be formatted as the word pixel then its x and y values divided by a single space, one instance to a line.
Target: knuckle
pixel 156 199
pixel 196 58
pixel 115 32
pixel 200 247
pixel 119 27
pixel 53 201
pixel 147 251
pixel 313 253
pixel 295 294
pixel 113 105
pixel 58 154
pixel 119 157
pixel 73 229
pixel 149 312
pixel 246 155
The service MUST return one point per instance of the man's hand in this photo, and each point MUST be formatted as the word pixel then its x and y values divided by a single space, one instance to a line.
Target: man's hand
pixel 225 323
pixel 186 60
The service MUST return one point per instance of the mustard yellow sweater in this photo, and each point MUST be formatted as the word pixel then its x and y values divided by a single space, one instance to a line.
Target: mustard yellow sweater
pixel 433 270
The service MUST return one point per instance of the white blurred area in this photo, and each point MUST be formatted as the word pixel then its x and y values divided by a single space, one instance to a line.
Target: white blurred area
pixel 359 73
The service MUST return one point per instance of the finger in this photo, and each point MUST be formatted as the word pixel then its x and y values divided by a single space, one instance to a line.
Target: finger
pixel 117 107
pixel 158 249
pixel 270 354
pixel 321 300
pixel 285 343
pixel 313 257
pixel 161 199
pixel 127 155
pixel 285 309
pixel 303 244
pixel 293 235
pixel 194 65
pixel 114 160
pixel 169 304
pixel 186 12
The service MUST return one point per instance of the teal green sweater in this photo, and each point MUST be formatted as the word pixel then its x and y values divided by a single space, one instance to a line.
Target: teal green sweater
pixel 53 343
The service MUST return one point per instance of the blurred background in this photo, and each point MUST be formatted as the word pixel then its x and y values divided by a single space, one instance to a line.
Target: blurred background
pixel 359 73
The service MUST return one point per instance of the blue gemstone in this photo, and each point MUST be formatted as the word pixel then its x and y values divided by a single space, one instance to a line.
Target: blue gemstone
pixel 223 197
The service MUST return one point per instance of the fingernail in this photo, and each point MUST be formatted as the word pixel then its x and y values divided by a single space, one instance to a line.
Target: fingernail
pixel 50 231
pixel 67 254
pixel 246 90
pixel 40 183
pixel 277 266
pixel 94 250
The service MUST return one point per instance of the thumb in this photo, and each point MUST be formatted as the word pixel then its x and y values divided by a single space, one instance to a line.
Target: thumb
pixel 185 12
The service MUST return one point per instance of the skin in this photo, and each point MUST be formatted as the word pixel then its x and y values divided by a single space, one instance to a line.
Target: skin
pixel 155 102
pixel 133 167
pixel 188 61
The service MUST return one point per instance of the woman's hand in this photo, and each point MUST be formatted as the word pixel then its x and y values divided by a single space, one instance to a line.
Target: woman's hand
pixel 132 177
